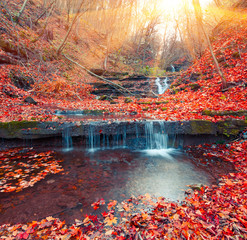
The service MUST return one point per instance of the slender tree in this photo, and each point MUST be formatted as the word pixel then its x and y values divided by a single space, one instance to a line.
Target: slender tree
pixel 198 13
pixel 60 48
pixel 21 11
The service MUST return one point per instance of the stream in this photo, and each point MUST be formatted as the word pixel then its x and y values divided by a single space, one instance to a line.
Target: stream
pixel 109 167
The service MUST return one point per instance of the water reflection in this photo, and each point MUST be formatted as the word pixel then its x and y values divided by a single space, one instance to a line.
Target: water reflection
pixel 110 174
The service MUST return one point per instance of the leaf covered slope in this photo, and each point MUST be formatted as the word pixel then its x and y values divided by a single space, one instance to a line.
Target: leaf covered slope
pixel 29 66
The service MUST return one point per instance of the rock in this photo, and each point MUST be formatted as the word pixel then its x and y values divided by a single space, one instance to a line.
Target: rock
pixel 195 77
pixel 194 86
pixel 7 60
pixel 21 81
pixel 10 92
pixel 103 97
pixel 30 100
pixel 128 100
pixel 196 187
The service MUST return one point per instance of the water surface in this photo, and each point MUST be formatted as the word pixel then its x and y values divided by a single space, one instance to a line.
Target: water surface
pixel 110 174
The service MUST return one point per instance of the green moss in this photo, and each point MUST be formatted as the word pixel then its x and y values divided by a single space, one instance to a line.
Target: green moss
pixel 194 86
pixel 93 112
pixel 236 55
pixel 128 100
pixel 202 127
pixel 12 128
pixel 231 127
pixel 145 103
pixel 161 102
pixel 212 113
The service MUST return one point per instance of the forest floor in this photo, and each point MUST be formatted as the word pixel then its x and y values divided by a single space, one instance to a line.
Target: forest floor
pixel 30 68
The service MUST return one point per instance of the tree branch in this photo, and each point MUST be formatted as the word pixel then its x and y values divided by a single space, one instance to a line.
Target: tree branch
pixel 116 86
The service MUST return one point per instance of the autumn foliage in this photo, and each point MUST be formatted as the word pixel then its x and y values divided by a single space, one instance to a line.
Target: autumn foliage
pixel 29 66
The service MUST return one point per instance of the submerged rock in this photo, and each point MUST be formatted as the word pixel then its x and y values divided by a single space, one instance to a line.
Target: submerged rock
pixel 30 100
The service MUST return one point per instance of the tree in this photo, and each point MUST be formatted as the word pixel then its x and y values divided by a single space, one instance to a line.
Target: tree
pixel 198 13
pixel 60 48
pixel 21 11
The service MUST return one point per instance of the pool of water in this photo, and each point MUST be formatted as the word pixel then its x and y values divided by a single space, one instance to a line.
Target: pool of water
pixel 112 174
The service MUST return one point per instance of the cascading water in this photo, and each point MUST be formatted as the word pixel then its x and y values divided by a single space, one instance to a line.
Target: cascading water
pixel 162 87
pixel 97 141
pixel 148 135
pixel 173 68
pixel 157 140
pixel 67 139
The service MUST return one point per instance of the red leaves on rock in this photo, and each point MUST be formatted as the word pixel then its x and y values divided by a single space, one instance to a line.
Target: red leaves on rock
pixel 21 168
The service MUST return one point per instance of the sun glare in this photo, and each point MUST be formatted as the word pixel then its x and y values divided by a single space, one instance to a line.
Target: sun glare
pixel 176 4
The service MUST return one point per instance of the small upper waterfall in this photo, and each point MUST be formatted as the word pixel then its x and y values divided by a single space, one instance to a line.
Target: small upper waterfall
pixel 173 68
pixel 162 87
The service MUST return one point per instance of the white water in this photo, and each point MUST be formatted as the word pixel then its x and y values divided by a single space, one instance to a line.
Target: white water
pixel 162 87
pixel 67 140
pixel 173 68
pixel 150 136
pixel 157 141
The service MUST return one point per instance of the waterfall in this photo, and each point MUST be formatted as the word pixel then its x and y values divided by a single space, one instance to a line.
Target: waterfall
pixel 149 135
pixel 156 138
pixel 93 138
pixel 173 68
pixel 97 141
pixel 67 139
pixel 162 87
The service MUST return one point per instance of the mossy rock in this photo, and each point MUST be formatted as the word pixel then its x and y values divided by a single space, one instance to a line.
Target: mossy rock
pixel 128 100
pixel 236 55
pixel 212 113
pixel 145 108
pixel 194 86
pixel 8 46
pixel 231 127
pixel 93 112
pixel 202 127
pixel 103 97
pixel 13 129
pixel 161 102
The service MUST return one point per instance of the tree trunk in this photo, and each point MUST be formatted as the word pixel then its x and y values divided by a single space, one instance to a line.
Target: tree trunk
pixel 198 12
pixel 21 11
pixel 60 48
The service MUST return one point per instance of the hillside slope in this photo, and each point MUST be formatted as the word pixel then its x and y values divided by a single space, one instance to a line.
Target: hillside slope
pixel 30 67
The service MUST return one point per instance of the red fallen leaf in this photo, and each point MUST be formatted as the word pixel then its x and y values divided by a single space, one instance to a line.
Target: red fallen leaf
pixel 25 235
pixel 22 235
pixel 111 204
pixel 104 214
pixel 63 231
pixel 242 221
pixel 96 205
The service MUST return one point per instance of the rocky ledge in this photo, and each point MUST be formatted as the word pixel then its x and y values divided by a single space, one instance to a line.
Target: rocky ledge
pixel 39 130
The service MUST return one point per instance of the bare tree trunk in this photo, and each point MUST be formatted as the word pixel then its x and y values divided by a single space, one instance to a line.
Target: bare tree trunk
pixel 198 12
pixel 60 48
pixel 21 11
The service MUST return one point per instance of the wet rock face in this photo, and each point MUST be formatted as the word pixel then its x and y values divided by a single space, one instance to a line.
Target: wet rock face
pixel 37 130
